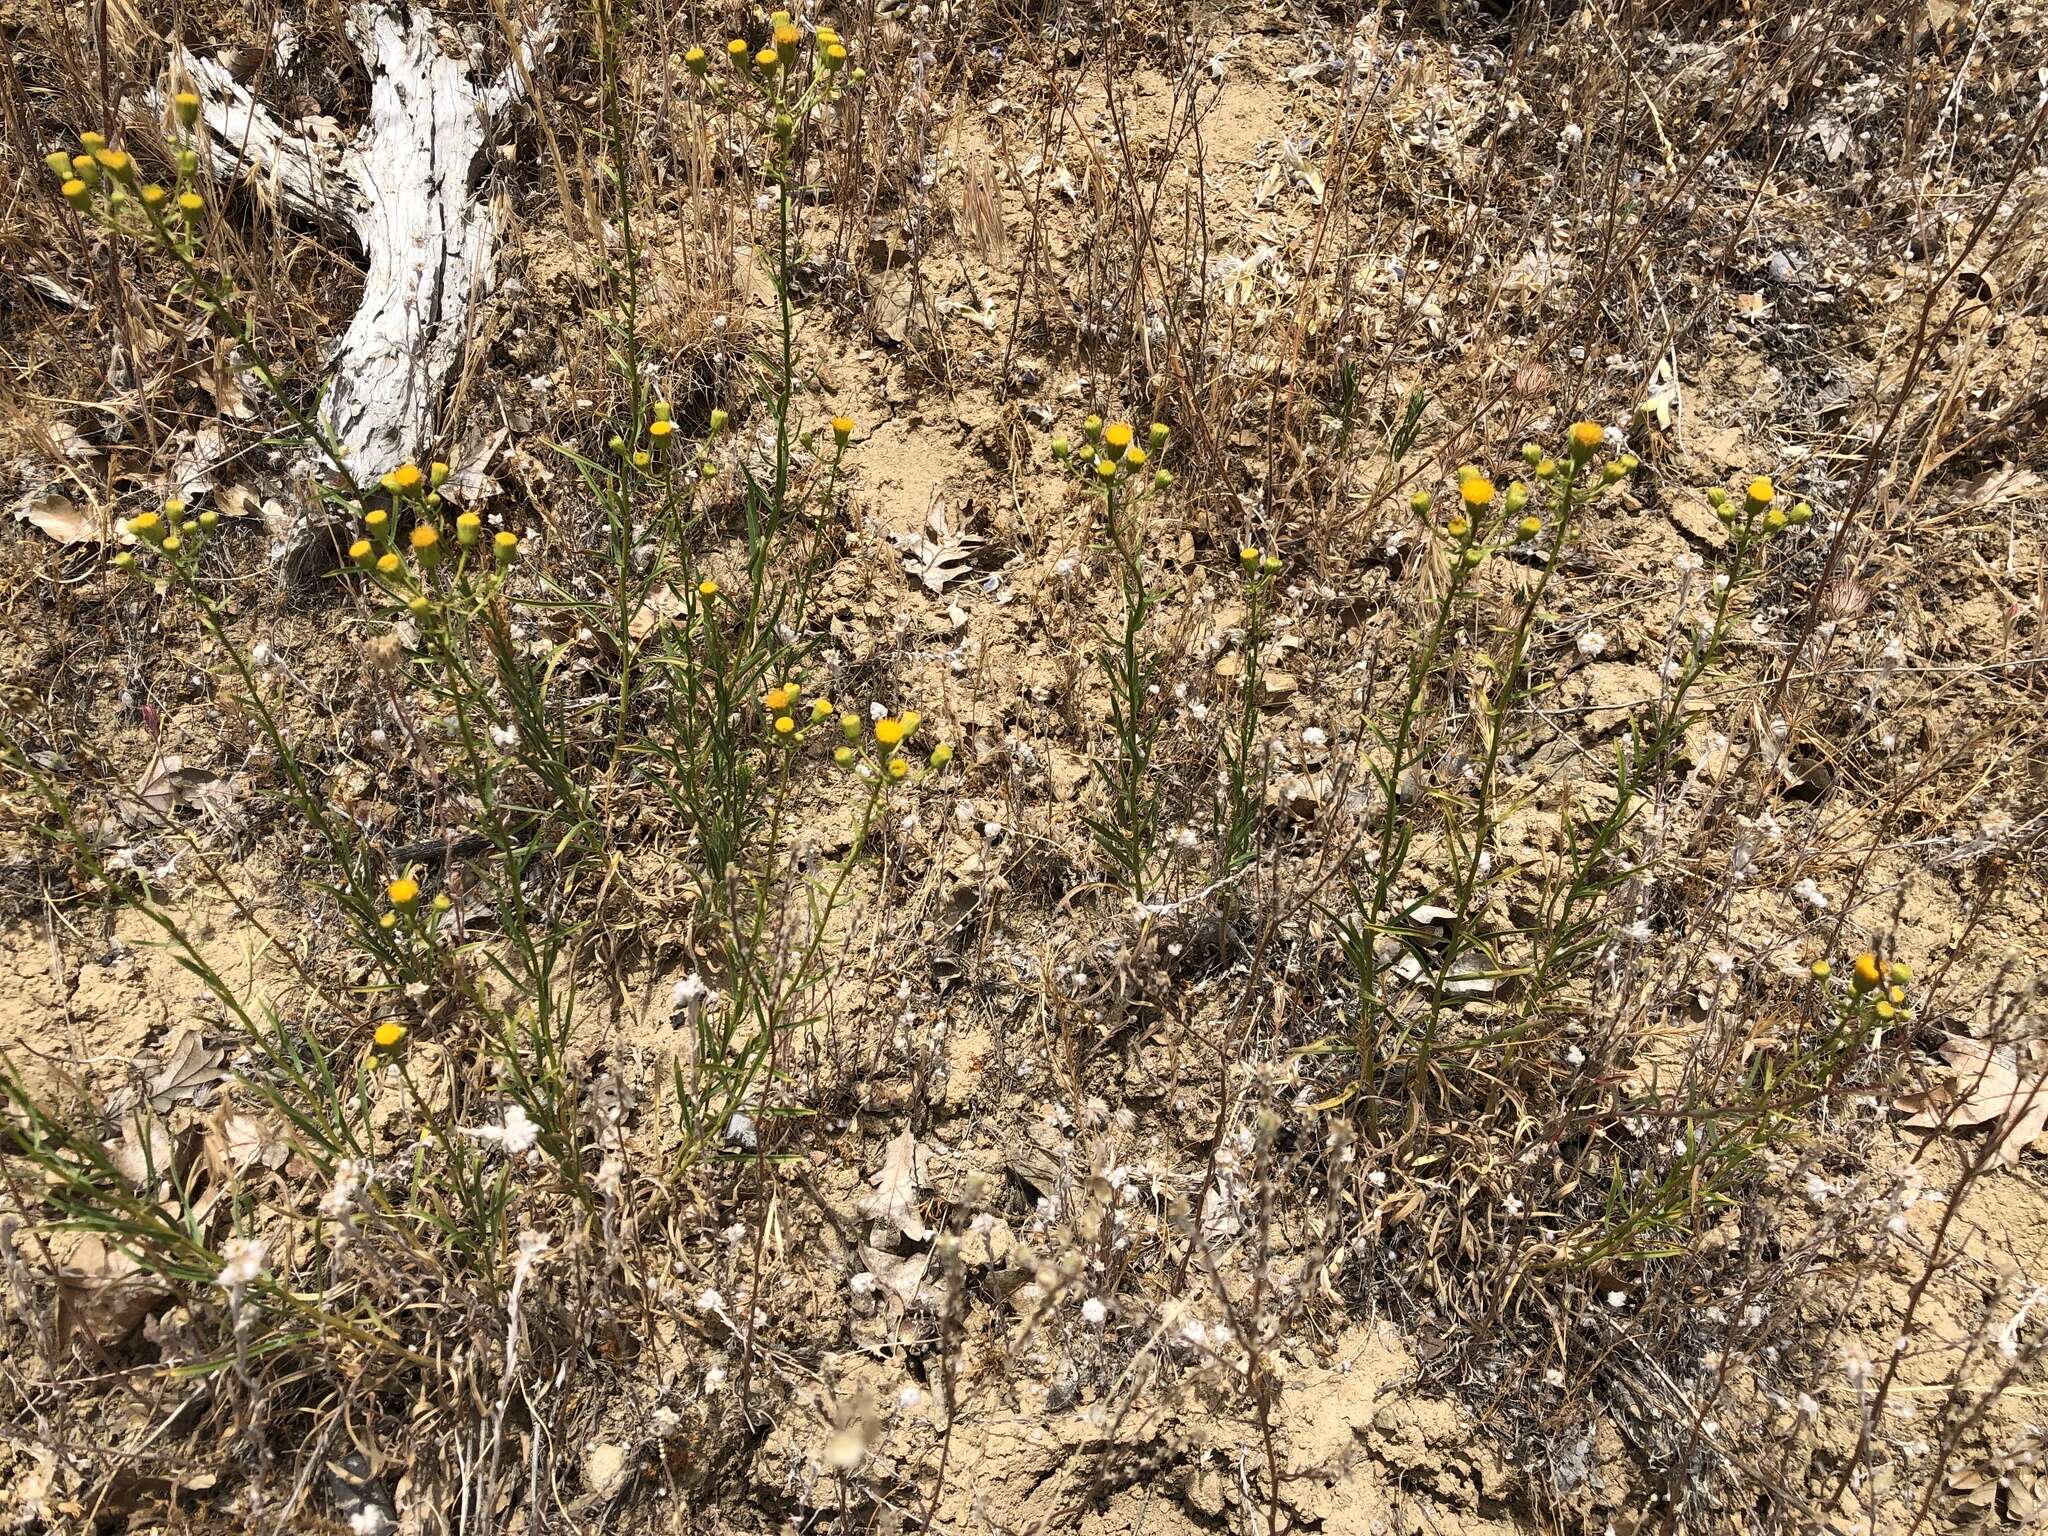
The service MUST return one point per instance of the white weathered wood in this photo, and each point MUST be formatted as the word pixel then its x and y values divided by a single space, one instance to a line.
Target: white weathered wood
pixel 408 187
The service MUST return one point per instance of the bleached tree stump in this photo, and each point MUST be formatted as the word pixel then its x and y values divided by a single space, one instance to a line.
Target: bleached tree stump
pixel 408 187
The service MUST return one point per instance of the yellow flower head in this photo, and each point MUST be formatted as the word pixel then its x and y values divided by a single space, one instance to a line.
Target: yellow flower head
pixel 898 767
pixel 842 429
pixel 737 51
pixel 1868 972
pixel 114 162
pixel 777 701
pixel 153 195
pixel 146 525
pixel 390 1035
pixel 785 726
pixel 377 521
pixel 1761 491
pixel 658 430
pixel 404 893
pixel 1135 457
pixel 1116 437
pixel 506 544
pixel 1248 557
pixel 1587 436
pixel 888 730
pixel 187 104
pixel 1822 970
pixel 707 588
pixel 787 36
pixel 388 563
pixel 468 528
pixel 767 59
pixel 827 36
pixel 75 191
pixel 1476 491
pixel 425 540
pixel 835 55
pixel 407 476
pixel 361 551
pixel 191 202
pixel 821 711
pixel 1105 469
pixel 693 60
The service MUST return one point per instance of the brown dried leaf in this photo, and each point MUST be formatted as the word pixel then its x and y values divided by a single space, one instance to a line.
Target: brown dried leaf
pixel 98 1297
pixel 60 518
pixel 894 1197
pixel 191 1068
pixel 902 1279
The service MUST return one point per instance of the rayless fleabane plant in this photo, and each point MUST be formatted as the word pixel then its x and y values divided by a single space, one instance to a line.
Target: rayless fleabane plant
pixel 1465 1050
pixel 1125 474
pixel 429 1070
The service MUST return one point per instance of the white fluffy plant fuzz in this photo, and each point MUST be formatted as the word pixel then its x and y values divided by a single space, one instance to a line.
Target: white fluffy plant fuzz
pixel 407 187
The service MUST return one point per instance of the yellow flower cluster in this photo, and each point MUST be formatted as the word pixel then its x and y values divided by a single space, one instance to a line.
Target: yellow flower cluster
pixel 174 534
pixel 1113 460
pixel 415 492
pixel 773 67
pixel 1487 519
pixel 1875 988
pixel 1759 516
pixel 103 183
pixel 879 757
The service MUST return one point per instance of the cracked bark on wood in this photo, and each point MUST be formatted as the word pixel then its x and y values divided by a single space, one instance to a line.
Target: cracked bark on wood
pixel 408 188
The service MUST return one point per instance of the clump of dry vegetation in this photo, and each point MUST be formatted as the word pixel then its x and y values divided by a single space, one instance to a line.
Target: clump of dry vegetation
pixel 953 769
